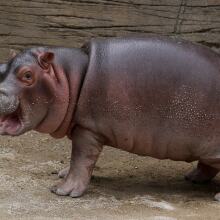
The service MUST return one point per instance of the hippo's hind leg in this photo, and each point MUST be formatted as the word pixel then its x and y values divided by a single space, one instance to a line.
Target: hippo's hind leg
pixel 202 174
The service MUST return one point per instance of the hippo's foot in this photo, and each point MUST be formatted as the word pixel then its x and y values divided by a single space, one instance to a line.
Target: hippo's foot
pixel 202 174
pixel 63 173
pixel 71 187
pixel 197 177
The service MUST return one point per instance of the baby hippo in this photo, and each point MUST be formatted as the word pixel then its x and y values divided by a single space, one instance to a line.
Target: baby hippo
pixel 152 96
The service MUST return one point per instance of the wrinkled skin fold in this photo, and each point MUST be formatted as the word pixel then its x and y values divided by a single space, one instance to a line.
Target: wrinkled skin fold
pixel 152 96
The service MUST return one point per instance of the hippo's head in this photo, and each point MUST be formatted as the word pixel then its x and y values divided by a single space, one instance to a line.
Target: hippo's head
pixel 27 85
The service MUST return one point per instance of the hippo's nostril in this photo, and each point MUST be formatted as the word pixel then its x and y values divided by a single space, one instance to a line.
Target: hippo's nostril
pixel 8 104
pixel 3 92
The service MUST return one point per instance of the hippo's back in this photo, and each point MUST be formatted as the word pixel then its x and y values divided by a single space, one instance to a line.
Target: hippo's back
pixel 153 96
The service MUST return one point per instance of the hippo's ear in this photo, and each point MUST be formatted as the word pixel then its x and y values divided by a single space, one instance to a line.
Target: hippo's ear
pixel 45 59
pixel 12 53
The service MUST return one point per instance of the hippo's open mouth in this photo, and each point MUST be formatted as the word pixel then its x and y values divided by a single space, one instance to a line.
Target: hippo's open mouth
pixel 11 124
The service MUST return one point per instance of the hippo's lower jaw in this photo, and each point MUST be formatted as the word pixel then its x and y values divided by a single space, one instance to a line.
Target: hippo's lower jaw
pixel 12 124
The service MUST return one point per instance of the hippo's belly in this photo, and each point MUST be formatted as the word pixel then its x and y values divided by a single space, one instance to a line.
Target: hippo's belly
pixel 166 140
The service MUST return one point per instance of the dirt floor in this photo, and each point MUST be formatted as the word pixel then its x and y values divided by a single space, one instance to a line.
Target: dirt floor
pixel 124 185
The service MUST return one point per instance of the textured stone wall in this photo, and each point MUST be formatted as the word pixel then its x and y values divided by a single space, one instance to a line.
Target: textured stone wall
pixel 25 23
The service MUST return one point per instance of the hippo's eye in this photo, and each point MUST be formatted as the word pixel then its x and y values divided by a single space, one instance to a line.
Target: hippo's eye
pixel 26 77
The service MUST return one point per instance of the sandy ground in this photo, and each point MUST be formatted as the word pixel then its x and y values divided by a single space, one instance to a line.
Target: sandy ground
pixel 124 185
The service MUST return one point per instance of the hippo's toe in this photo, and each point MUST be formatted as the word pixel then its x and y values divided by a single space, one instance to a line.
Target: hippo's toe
pixel 217 197
pixel 63 173
pixel 69 187
pixel 61 191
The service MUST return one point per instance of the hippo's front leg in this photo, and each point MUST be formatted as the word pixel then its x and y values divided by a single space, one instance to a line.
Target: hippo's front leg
pixel 85 152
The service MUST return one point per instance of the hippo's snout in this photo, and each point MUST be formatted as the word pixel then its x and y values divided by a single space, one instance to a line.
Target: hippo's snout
pixel 8 104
